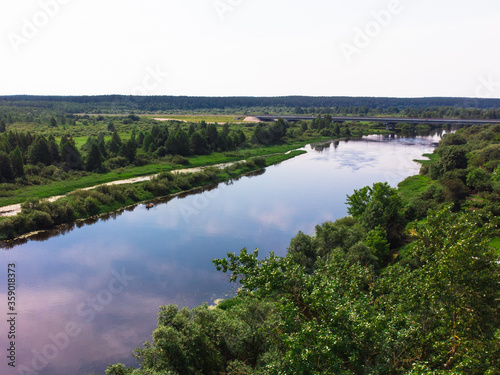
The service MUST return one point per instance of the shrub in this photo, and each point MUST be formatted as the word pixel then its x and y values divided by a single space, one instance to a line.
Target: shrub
pixel 41 220
pixel 117 162
pixel 259 161
pixel 178 159
pixel 91 206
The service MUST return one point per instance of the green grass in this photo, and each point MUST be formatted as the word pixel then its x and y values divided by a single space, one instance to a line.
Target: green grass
pixel 412 186
pixel 495 243
pixel 432 157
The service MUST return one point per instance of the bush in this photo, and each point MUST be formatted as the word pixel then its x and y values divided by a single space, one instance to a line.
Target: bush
pixel 325 133
pixel 117 162
pixel 178 159
pixel 91 206
pixel 259 161
pixel 141 160
pixel 41 220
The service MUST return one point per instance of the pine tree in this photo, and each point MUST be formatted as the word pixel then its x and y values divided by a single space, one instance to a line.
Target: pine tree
pixel 39 152
pixel 70 156
pixel 17 163
pixel 53 149
pixel 6 174
pixel 94 158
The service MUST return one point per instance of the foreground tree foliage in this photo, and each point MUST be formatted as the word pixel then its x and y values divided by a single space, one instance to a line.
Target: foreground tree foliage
pixel 319 310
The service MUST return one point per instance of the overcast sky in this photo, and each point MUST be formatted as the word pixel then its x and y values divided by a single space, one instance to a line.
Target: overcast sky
pixel 406 48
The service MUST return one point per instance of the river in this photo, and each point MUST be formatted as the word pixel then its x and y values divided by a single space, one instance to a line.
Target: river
pixel 88 295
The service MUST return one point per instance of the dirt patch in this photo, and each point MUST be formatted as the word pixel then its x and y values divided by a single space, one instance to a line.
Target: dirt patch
pixel 252 119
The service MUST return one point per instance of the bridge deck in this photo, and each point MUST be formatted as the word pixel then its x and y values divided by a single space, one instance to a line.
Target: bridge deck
pixel 389 120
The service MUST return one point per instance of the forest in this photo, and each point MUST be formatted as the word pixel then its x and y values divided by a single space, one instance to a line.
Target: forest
pixel 118 104
pixel 408 283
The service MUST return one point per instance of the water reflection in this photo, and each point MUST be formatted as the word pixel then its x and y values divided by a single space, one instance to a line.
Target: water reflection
pixel 63 229
pixel 66 276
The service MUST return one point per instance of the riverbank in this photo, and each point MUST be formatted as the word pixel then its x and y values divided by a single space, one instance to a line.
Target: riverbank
pixel 82 204
pixel 14 209
pixel 62 187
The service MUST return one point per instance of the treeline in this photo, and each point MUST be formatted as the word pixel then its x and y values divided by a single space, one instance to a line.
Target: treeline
pixel 28 154
pixel 25 152
pixel 299 104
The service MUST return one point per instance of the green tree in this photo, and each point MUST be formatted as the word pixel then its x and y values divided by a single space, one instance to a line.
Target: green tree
pixel 198 144
pixel 148 140
pixel 452 157
pixel 94 158
pixel 39 152
pixel 17 162
pixel 379 205
pixel 182 142
pixel 128 150
pixel 376 240
pixel 212 136
pixel 6 174
pixel 451 294
pixel 53 150
pixel 116 137
pixel 70 156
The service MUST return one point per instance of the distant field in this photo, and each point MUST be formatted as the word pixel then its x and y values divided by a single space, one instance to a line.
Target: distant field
pixel 198 118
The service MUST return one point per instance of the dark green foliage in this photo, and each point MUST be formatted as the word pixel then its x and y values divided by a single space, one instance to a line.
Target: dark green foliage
pixel 128 150
pixel 39 152
pixel 182 143
pixel 16 160
pixel 178 159
pixel 54 150
pixel 379 206
pixel 463 166
pixel 205 340
pixel 452 139
pixel 70 156
pixel 94 158
pixel 198 144
pixel 452 157
pixel 439 313
pixel 270 134
pixel 6 173
pixel 212 136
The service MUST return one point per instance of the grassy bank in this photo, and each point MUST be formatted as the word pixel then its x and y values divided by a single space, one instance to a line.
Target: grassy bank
pixel 61 187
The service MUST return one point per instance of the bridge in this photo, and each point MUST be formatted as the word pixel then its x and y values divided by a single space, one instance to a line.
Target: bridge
pixel 388 121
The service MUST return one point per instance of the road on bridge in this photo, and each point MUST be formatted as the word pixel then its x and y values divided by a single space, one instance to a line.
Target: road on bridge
pixel 388 120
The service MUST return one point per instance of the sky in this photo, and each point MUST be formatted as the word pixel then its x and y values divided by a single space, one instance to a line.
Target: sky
pixel 396 48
